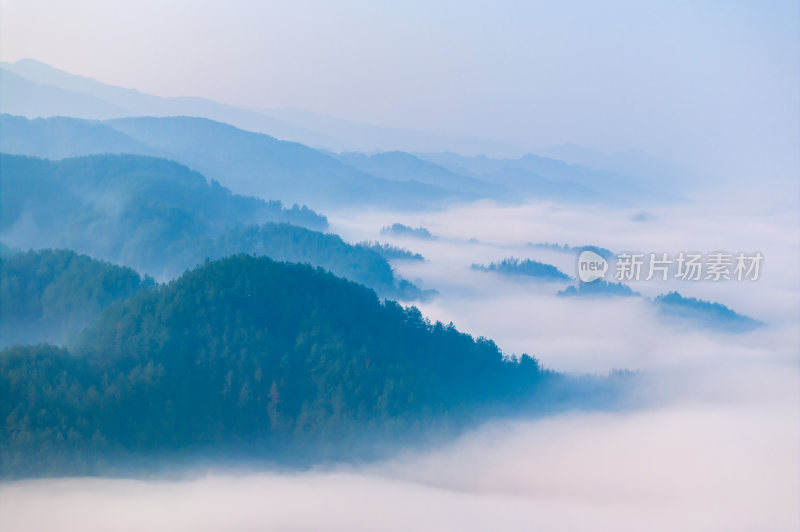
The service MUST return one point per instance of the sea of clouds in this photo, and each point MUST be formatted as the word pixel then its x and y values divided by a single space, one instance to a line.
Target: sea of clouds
pixel 712 441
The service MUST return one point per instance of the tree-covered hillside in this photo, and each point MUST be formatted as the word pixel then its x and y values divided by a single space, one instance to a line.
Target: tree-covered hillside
pixel 249 355
pixel 286 242
pixel 161 218
pixel 51 295
pixel 51 193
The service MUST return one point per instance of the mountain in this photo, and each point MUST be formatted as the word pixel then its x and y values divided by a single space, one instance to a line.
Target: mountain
pixel 60 93
pixel 60 137
pixel 101 100
pixel 257 164
pixel 161 218
pixel 401 166
pixel 343 135
pixel 293 172
pixel 362 264
pixel 34 89
pixel 555 179
pixel 247 357
pixel 531 185
pixel 51 295
pixel 706 313
pixel 656 171
pixel 21 96
pixel 246 162
pixel 689 310
pixel 401 230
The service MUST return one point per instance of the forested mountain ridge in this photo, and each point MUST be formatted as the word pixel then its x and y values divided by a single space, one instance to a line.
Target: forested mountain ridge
pixel 285 242
pixel 161 218
pixel 252 355
pixel 102 182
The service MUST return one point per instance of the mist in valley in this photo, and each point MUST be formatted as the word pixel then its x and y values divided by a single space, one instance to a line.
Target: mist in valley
pixel 707 437
pixel 319 270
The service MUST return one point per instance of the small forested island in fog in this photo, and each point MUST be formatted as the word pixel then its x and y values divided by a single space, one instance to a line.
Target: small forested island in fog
pixel 707 313
pixel 398 229
pixel 598 288
pixel 514 267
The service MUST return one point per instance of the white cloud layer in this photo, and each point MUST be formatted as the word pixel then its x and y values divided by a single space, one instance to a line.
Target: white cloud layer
pixel 713 444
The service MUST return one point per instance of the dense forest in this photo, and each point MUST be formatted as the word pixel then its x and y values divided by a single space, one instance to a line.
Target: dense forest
pixel 247 355
pixel 161 218
pixel 51 295
pixel 515 267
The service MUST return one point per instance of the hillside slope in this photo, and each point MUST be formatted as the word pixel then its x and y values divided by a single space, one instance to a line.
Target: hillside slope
pixel 246 355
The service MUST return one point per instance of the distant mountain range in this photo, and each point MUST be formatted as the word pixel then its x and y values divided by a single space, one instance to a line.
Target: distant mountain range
pixel 259 165
pixel 542 177
pixel 35 89
pixel 401 166
pixel 240 148
pixel 246 162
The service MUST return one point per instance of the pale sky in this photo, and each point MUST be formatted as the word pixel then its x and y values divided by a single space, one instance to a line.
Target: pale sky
pixel 712 83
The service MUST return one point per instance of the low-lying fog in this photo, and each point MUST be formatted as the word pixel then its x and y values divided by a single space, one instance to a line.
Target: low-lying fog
pixel 713 445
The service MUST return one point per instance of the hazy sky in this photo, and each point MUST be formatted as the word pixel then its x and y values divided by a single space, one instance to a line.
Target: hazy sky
pixel 713 83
